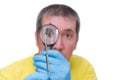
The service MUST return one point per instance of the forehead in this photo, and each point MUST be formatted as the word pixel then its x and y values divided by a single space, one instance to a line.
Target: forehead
pixel 62 23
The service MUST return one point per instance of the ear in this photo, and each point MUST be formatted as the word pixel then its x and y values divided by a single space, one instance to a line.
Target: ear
pixel 39 42
pixel 76 43
pixel 36 38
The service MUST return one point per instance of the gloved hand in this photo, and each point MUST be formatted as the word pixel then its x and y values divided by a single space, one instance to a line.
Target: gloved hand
pixel 59 66
pixel 37 76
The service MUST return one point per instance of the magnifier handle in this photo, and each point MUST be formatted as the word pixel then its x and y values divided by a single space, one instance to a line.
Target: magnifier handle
pixel 47 64
pixel 50 47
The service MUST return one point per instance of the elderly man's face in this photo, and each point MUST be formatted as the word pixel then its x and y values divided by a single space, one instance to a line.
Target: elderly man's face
pixel 67 38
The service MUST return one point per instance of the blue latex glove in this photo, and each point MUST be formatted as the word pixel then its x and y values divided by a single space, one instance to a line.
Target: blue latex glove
pixel 59 66
pixel 37 76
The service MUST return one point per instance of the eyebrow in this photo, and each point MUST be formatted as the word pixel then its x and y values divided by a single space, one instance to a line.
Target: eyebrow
pixel 69 30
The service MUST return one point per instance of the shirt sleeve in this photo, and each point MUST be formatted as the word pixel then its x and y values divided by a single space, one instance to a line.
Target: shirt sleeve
pixel 90 73
pixel 2 77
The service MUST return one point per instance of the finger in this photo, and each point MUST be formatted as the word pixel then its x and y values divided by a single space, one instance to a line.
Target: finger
pixel 36 76
pixel 53 60
pixel 41 71
pixel 55 54
pixel 43 52
pixel 53 57
pixel 40 65
pixel 39 58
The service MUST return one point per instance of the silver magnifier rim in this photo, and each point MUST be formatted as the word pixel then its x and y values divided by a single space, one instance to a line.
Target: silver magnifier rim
pixel 46 26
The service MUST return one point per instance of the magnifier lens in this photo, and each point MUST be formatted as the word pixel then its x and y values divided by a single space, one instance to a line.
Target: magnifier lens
pixel 50 33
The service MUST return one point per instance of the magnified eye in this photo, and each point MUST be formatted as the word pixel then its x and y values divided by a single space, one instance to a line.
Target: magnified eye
pixel 50 33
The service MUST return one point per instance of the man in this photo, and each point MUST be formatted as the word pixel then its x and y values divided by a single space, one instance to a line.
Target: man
pixel 63 64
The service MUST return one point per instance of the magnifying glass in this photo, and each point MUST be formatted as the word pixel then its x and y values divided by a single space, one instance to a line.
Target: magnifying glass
pixel 49 35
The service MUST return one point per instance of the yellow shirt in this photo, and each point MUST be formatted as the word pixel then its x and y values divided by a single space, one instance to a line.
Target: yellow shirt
pixel 81 69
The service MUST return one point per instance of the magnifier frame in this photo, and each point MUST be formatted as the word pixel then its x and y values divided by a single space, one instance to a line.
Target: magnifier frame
pixel 56 34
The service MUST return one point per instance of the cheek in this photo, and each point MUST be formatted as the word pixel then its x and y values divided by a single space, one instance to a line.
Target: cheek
pixel 69 47
pixel 40 45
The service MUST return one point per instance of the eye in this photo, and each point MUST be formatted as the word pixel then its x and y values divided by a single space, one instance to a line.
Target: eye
pixel 67 35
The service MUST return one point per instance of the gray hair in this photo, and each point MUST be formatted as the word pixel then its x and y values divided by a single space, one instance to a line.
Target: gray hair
pixel 58 10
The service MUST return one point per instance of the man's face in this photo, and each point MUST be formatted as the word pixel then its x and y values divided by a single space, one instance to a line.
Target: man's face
pixel 67 40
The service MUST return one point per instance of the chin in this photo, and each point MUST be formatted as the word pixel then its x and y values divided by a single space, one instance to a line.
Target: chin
pixel 68 57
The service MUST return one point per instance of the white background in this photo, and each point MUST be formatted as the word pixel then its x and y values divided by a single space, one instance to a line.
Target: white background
pixel 99 40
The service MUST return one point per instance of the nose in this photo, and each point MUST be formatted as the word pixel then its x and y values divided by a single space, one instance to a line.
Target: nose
pixel 59 44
